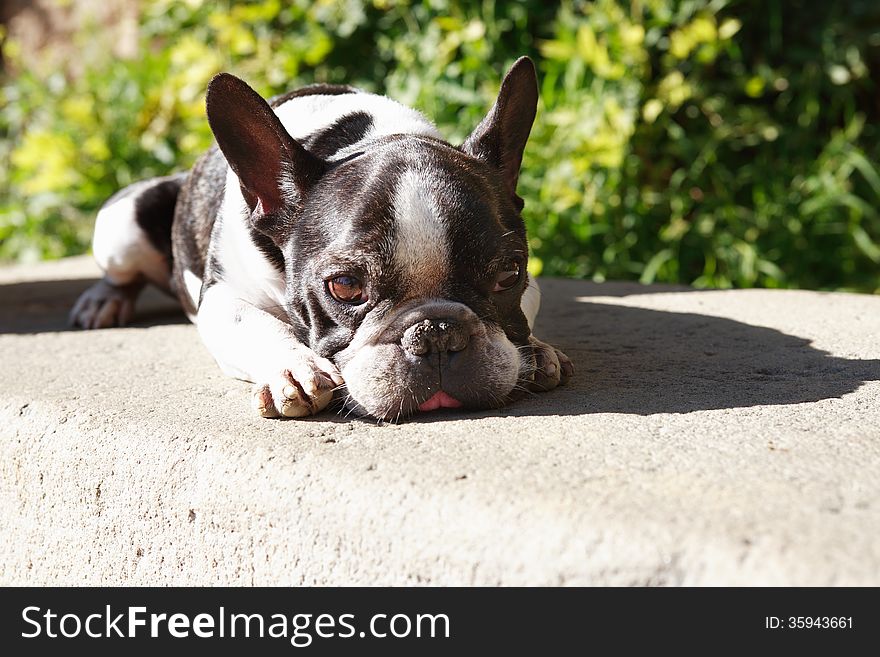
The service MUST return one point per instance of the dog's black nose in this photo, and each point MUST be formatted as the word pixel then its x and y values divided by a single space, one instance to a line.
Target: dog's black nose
pixel 434 336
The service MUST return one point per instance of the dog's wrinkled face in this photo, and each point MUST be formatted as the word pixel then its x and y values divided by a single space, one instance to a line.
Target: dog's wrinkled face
pixel 405 260
pixel 407 268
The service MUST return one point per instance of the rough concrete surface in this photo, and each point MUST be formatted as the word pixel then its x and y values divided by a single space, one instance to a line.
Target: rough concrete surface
pixel 709 437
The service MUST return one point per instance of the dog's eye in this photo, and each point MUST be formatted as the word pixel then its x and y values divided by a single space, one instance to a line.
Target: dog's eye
pixel 346 289
pixel 504 280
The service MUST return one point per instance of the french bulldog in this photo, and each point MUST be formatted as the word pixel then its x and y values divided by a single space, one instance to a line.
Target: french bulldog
pixel 332 242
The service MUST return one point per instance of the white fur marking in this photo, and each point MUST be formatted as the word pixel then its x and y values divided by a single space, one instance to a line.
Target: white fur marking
pixel 421 250
pixel 531 301
pixel 122 249
pixel 193 286
pixel 246 342
pixel 307 115
pixel 245 269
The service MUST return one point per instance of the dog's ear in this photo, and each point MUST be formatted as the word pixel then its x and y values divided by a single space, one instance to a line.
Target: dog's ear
pixel 273 168
pixel 501 137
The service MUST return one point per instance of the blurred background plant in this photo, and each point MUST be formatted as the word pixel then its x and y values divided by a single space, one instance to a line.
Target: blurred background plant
pixel 714 142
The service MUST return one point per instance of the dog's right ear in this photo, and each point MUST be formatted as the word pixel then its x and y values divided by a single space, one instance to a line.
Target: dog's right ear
pixel 501 136
pixel 273 168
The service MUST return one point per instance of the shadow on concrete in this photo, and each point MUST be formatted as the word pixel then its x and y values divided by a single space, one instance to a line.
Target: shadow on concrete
pixel 42 306
pixel 639 361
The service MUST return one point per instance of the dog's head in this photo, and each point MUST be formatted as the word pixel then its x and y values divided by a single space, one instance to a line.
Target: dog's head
pixel 406 260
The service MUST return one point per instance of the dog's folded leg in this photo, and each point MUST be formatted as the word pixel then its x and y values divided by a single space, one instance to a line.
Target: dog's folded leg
pixel 251 344
pixel 132 246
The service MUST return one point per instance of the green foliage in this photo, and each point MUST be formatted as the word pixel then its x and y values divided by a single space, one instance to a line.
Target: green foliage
pixel 720 143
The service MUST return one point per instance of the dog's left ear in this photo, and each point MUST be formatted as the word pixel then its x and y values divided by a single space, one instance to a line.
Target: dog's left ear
pixel 501 137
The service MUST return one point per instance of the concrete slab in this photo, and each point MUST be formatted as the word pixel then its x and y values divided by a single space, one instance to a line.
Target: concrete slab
pixel 717 437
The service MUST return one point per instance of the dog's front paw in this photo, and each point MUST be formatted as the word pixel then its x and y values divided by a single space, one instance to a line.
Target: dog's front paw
pixel 552 367
pixel 303 388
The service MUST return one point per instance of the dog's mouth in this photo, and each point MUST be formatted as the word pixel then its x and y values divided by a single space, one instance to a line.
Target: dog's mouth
pixel 409 406
pixel 439 399
pixel 384 381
